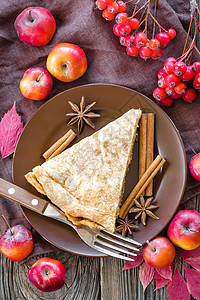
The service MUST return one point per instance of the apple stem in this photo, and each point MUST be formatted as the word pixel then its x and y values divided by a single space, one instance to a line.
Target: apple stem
pixel 30 16
pixel 38 78
pixel 65 69
pixel 152 247
pixel 7 223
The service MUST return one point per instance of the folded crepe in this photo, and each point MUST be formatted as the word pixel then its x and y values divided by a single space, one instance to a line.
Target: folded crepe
pixel 86 180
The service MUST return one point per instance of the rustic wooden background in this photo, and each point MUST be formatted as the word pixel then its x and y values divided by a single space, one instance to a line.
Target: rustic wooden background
pixel 87 278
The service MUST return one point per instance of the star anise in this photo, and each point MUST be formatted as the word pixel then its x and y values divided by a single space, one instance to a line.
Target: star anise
pixel 143 209
pixel 82 114
pixel 125 226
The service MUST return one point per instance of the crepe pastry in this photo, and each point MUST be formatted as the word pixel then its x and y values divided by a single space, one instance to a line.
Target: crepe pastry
pixel 86 181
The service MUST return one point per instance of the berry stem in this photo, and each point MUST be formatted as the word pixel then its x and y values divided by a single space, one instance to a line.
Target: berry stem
pixel 154 23
pixel 146 17
pixel 7 223
pixel 158 23
pixel 141 8
pixel 188 34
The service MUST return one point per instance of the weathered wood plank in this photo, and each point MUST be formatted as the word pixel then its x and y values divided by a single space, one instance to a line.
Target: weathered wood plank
pixel 82 282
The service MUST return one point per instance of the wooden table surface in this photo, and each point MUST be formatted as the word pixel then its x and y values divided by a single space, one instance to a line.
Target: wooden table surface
pixel 87 278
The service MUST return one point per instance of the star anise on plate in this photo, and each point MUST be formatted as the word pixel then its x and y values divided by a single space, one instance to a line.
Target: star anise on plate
pixel 82 114
pixel 144 208
pixel 126 226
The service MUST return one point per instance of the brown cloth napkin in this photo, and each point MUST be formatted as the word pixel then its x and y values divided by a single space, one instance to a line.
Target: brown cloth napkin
pixel 80 23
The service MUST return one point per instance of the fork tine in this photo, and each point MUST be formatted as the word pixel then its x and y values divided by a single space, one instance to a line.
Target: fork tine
pixel 114 247
pixel 125 239
pixel 112 253
pixel 118 242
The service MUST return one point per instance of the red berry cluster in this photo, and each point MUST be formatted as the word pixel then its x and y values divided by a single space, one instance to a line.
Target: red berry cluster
pixel 135 43
pixel 174 80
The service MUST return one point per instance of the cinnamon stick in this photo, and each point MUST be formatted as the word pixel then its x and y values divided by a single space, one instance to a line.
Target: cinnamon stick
pixel 150 149
pixel 60 145
pixel 141 185
pixel 146 147
pixel 142 145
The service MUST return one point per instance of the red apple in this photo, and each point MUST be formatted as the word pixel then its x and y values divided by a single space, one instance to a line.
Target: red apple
pixel 36 83
pixel 16 243
pixel 184 229
pixel 159 253
pixel 35 26
pixel 194 166
pixel 47 274
pixel 67 62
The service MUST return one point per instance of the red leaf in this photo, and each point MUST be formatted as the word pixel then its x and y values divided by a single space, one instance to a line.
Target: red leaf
pixel 146 274
pixel 190 253
pixel 133 264
pixel 177 288
pixel 10 130
pixel 165 272
pixel 193 282
pixel 160 281
pixel 194 262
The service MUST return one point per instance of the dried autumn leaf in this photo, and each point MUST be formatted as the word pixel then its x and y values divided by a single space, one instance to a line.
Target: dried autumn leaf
pixel 194 262
pixel 177 288
pixel 193 282
pixel 190 253
pixel 10 130
pixel 160 281
pixel 133 264
pixel 146 274
pixel 165 272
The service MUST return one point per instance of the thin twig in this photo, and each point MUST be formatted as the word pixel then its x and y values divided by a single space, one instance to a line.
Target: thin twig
pixel 154 23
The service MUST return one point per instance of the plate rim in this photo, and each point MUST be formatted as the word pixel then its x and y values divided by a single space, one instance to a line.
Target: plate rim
pixel 126 88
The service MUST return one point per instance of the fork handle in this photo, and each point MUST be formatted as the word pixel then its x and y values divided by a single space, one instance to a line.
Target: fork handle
pixel 22 197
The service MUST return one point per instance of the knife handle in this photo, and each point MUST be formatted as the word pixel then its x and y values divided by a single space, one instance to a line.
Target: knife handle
pixel 22 197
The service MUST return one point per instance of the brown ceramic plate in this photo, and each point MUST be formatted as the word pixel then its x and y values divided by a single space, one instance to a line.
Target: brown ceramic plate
pixel 49 123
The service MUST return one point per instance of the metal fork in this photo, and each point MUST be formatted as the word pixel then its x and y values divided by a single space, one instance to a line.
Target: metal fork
pixel 101 240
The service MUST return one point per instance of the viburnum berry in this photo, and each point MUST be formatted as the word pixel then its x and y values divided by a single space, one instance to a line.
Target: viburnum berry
pixel 172 80
pixel 101 4
pixel 196 81
pixel 123 40
pixel 179 68
pixel 132 51
pixel 122 6
pixel 141 39
pixel 109 16
pixel 113 8
pixel 168 101
pixel 121 18
pixel 124 30
pixel 108 2
pixel 162 83
pixel 134 23
pixel 189 95
pixel 116 29
pixel 163 38
pixel 157 53
pixel 171 33
pixel 180 88
pixel 196 67
pixel 189 74
pixel 145 52
pixel 169 90
pixel 154 44
pixel 159 94
pixel 130 40
pixel 161 73
pixel 174 95
pixel 168 64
